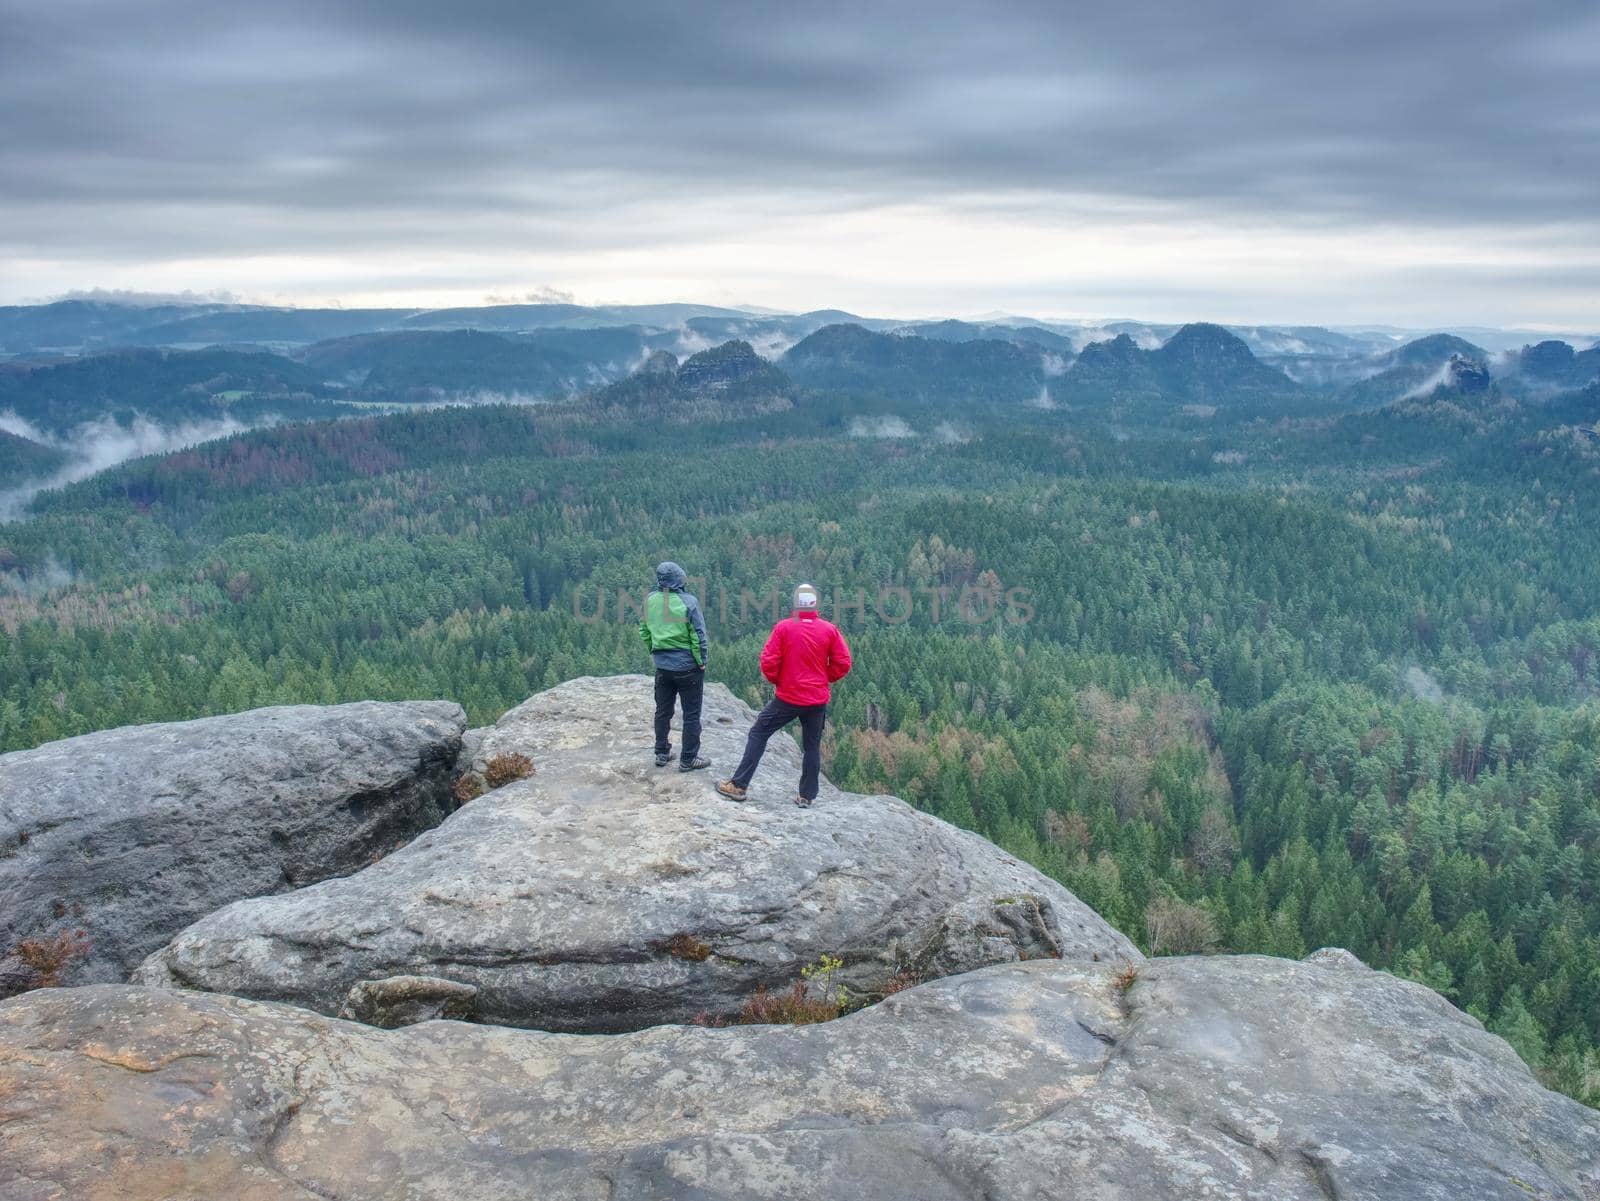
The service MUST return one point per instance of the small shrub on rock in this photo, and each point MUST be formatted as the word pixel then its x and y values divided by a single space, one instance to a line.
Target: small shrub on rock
pixel 901 981
pixel 813 998
pixel 1125 978
pixel 687 946
pixel 793 1007
pixel 497 773
pixel 503 769
pixel 47 958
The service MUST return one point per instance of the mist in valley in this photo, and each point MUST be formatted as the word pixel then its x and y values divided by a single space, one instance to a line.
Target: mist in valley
pixel 96 445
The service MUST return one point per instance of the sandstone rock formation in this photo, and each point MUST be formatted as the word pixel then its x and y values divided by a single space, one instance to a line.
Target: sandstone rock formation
pixel 1226 1078
pixel 131 834
pixel 604 893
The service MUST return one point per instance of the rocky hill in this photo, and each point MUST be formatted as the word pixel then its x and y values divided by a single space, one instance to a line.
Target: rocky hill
pixel 727 381
pixel 1012 1045
pixel 1415 369
pixel 1116 369
pixel 1207 364
pixel 1430 351
pixel 1200 364
pixel 1557 365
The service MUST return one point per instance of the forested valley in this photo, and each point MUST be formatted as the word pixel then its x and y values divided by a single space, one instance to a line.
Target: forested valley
pixel 1284 675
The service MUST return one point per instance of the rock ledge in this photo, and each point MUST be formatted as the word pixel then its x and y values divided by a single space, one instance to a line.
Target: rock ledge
pixel 605 894
pixel 133 833
pixel 1228 1078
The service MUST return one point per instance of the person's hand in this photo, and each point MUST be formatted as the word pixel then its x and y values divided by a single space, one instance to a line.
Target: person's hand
pixel 702 666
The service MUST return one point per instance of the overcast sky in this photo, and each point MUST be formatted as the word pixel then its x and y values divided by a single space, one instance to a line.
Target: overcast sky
pixel 1415 163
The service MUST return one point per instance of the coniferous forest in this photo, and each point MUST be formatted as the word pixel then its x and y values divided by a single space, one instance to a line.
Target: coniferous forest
pixel 1261 677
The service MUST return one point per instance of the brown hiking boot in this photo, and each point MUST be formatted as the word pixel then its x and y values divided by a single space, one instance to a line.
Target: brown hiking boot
pixel 731 790
pixel 803 801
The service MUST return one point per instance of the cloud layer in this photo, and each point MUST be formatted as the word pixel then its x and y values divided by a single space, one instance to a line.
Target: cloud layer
pixel 1420 161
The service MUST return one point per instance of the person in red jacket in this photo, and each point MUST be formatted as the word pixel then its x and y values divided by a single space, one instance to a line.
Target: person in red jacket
pixel 804 656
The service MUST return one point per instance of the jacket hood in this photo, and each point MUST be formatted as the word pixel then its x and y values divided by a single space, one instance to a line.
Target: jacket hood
pixel 670 577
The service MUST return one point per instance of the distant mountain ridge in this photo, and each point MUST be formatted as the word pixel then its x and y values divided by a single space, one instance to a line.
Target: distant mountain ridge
pixel 270 327
pixel 967 331
pixel 424 365
pixel 553 351
pixel 165 385
pixel 80 325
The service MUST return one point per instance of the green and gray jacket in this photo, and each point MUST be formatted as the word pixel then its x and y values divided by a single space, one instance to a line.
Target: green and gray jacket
pixel 673 628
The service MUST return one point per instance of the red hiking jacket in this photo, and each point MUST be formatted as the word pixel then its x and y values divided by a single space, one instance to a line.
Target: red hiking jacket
pixel 804 655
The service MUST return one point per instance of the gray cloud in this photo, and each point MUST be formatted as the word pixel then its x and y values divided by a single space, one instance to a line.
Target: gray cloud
pixel 182 129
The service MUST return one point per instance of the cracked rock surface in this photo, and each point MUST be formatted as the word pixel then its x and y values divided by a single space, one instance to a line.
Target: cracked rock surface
pixel 606 894
pixel 1225 1078
pixel 133 833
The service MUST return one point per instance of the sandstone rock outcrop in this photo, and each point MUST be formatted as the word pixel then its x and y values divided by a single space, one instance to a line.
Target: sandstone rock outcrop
pixel 605 894
pixel 1227 1078
pixel 131 834
pixel 407 1000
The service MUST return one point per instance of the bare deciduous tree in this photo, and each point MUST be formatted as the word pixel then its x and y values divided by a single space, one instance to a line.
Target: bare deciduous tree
pixel 1213 843
pixel 1178 928
pixel 1070 831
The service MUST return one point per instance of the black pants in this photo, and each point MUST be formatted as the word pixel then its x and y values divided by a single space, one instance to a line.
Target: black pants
pixel 768 722
pixel 670 685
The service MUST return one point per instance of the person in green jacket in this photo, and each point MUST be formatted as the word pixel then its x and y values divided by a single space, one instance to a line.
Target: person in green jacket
pixel 674 630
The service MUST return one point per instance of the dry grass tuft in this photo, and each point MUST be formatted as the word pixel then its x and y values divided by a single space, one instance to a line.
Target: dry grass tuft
pixel 503 769
pixel 901 981
pixel 1125 978
pixel 687 946
pixel 47 958
pixel 794 1007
